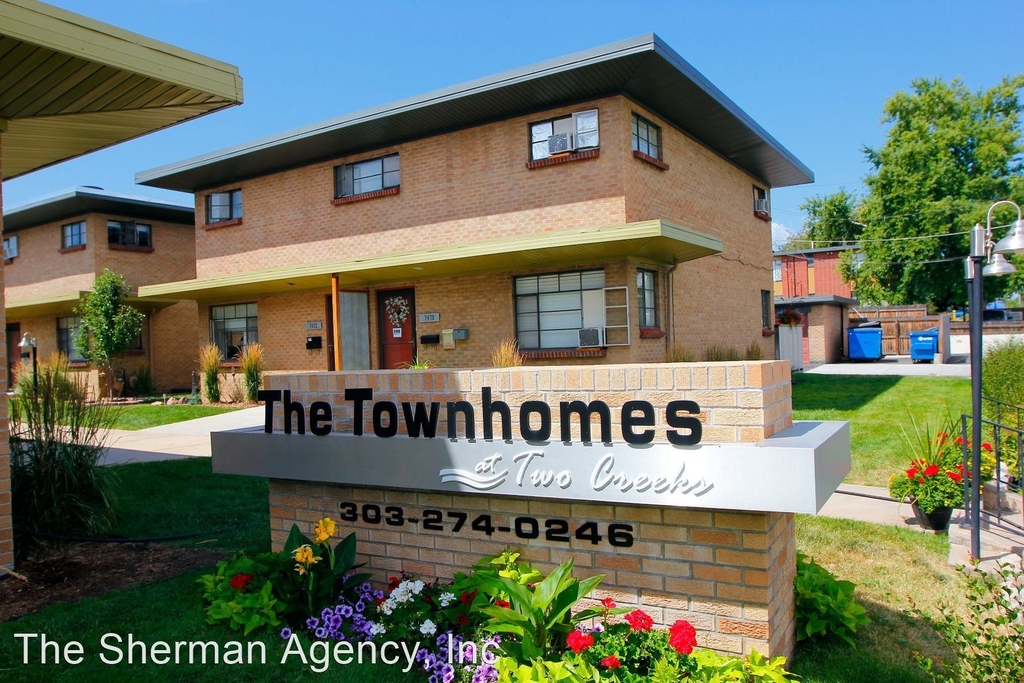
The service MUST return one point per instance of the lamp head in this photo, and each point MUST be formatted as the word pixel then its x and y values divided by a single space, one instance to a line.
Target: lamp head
pixel 1013 243
pixel 998 265
pixel 26 343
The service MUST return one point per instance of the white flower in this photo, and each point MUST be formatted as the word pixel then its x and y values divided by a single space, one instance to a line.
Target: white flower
pixel 377 629
pixel 445 599
pixel 428 628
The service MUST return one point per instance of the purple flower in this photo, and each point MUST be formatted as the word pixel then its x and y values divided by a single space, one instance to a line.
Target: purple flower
pixel 365 587
pixel 360 606
pixel 312 623
pixel 321 633
pixel 286 633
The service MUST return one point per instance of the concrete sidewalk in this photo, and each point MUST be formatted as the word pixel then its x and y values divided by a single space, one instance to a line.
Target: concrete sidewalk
pixel 896 365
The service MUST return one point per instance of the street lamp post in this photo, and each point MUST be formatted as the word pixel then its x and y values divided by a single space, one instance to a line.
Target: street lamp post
pixel 25 344
pixel 982 247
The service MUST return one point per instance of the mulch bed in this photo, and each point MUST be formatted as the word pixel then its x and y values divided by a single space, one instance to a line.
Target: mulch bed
pixel 84 570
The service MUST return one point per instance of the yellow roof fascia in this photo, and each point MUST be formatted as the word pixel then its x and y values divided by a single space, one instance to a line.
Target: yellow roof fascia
pixel 655 241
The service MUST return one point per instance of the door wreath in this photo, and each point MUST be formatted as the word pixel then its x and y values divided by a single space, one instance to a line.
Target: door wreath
pixel 397 310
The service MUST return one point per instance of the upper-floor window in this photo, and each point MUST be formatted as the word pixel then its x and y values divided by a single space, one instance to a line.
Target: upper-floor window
pixel 777 270
pixel 223 206
pixel 367 176
pixel 766 309
pixel 10 247
pixel 72 235
pixel 551 309
pixel 646 137
pixel 232 327
pixel 129 234
pixel 646 290
pixel 762 207
pixel 565 134
pixel 66 329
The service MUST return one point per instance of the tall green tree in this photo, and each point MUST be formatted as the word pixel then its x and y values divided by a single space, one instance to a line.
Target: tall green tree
pixel 830 219
pixel 109 326
pixel 948 155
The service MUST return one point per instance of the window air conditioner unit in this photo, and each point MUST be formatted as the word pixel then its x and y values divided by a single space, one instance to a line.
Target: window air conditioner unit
pixel 560 142
pixel 591 336
pixel 761 206
pixel 10 247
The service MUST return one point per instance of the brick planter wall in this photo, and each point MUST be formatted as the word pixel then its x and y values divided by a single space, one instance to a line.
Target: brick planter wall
pixel 729 573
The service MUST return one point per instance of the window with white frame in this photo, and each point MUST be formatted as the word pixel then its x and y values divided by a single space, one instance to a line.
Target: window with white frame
pixel 777 270
pixel 646 137
pixel 232 327
pixel 129 234
pixel 580 129
pixel 10 247
pixel 67 327
pixel 767 318
pixel 223 206
pixel 762 205
pixel 646 289
pixel 551 309
pixel 72 235
pixel 367 176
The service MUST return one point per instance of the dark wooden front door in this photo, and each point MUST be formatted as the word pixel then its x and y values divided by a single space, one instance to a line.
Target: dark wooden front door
pixel 396 316
pixel 13 351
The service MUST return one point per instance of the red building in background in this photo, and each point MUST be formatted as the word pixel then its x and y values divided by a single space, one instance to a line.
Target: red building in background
pixel 811 272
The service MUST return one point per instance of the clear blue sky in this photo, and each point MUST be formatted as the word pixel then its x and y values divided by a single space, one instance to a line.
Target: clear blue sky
pixel 814 74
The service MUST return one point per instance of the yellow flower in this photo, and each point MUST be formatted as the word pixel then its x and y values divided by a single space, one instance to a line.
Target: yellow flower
pixel 304 557
pixel 324 529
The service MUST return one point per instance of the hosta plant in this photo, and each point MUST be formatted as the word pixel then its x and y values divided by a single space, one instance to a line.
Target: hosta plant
pixel 825 605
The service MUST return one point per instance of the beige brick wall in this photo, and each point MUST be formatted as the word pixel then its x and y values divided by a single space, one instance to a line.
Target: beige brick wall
pixel 825 330
pixel 171 355
pixel 6 533
pixel 729 573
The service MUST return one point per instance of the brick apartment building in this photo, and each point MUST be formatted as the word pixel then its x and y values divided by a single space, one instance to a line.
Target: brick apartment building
pixel 809 282
pixel 56 247
pixel 604 207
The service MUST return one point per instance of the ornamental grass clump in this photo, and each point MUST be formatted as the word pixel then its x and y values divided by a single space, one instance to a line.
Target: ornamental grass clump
pixel 507 354
pixel 251 359
pixel 57 484
pixel 210 359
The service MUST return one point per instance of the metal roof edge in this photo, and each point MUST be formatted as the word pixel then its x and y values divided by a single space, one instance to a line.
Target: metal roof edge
pixel 85 199
pixel 816 250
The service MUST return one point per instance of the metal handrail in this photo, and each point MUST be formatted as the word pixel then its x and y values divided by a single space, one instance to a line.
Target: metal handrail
pixel 973 488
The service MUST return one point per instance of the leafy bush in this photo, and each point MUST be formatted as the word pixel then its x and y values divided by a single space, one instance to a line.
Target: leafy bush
pixel 824 605
pixel 144 381
pixel 251 358
pixel 506 354
pixel 57 485
pixel 718 354
pixel 231 597
pixel 711 667
pixel 1001 372
pixel 985 630
pixel 210 358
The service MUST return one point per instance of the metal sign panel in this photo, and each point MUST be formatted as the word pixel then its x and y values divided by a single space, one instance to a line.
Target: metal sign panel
pixel 794 471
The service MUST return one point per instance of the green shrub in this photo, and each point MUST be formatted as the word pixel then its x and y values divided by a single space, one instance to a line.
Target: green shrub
pixel 1001 373
pixel 718 354
pixel 144 381
pixel 984 630
pixel 57 486
pixel 210 358
pixel 251 358
pixel 824 605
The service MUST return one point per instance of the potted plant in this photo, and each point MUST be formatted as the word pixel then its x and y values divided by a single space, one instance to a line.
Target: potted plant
pixel 934 480
pixel 790 317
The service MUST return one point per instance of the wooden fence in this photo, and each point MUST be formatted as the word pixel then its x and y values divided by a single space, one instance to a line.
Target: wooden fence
pixel 896 331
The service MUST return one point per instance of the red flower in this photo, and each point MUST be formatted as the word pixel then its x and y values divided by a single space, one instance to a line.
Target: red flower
pixel 960 467
pixel 393 583
pixel 911 473
pixel 682 636
pixel 941 437
pixel 467 598
pixel 579 641
pixel 611 662
pixel 608 603
pixel 959 441
pixel 462 619
pixel 931 470
pixel 501 603
pixel 240 581
pixel 639 620
pixel 987 447
pixel 380 601
pixel 955 477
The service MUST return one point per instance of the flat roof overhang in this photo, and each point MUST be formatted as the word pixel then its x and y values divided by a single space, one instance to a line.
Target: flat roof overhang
pixel 644 69
pixel 655 241
pixel 71 85
pixel 66 302
pixel 83 200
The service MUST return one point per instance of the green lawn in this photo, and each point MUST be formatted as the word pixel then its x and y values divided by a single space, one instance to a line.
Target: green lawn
pixel 877 408
pixel 142 416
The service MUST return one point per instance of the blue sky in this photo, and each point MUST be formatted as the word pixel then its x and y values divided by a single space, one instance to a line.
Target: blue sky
pixel 814 74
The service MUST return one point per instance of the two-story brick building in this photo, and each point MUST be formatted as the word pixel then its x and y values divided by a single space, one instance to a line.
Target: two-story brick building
pixel 607 206
pixel 56 247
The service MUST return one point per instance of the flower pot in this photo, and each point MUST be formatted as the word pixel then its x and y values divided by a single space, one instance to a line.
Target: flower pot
pixel 937 520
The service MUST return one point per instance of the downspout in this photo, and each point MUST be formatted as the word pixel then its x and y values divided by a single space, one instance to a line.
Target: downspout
pixel 670 333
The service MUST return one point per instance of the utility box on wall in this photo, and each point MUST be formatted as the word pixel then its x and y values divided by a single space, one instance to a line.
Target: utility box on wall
pixel 314 343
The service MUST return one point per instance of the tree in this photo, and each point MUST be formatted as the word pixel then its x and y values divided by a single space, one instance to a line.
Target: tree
pixel 829 222
pixel 109 326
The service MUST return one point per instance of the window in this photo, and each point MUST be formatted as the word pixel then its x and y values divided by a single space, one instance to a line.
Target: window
pixel 10 247
pixel 777 270
pixel 857 260
pixel 646 137
pixel 66 329
pixel 223 206
pixel 766 309
pixel 232 327
pixel 581 127
pixel 762 207
pixel 550 309
pixel 366 176
pixel 73 235
pixel 129 234
pixel 646 290
pixel 810 261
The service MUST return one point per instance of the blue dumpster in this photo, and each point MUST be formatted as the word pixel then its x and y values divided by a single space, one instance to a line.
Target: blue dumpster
pixel 923 345
pixel 865 341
